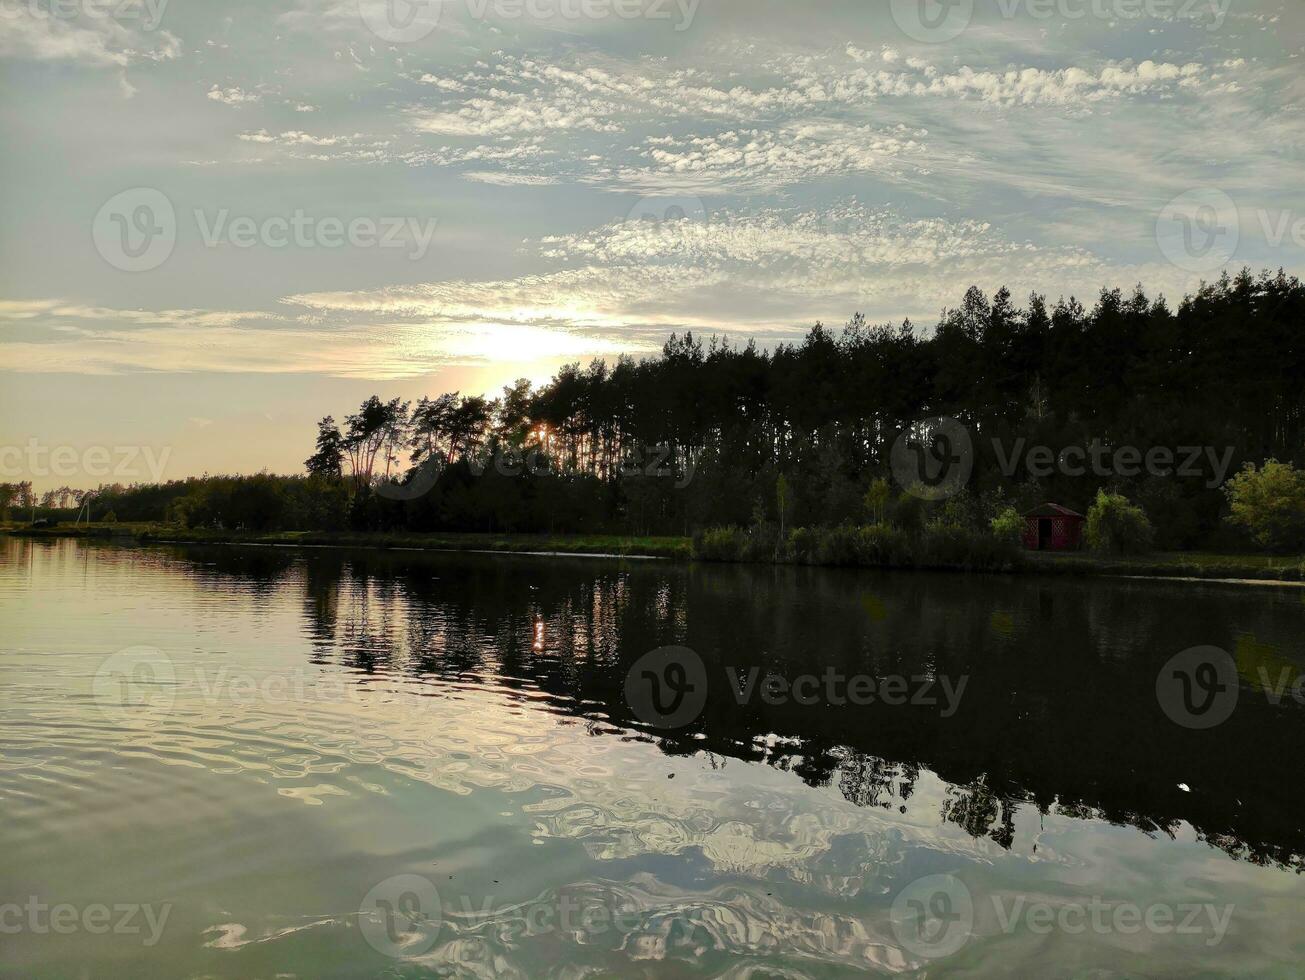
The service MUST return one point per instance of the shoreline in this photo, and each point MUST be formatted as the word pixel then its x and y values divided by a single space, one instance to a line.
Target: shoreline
pixel 544 545
pixel 1230 569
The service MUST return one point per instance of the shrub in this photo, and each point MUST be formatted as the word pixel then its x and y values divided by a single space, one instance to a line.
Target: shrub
pixel 737 544
pixel 907 512
pixel 952 546
pixel 720 544
pixel 1008 525
pixel 941 545
pixel 838 546
pixel 884 546
pixel 876 500
pixel 802 544
pixel 1117 527
pixel 1270 504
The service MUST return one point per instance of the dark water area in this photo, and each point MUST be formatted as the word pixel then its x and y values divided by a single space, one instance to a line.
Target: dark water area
pixel 337 763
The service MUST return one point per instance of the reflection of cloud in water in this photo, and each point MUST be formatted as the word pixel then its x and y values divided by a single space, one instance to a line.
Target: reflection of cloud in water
pixel 745 821
pixel 431 731
pixel 657 922
pixel 612 794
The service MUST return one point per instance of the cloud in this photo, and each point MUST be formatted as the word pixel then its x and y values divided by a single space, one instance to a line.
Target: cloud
pixel 17 309
pixel 518 94
pixel 585 297
pixel 103 341
pixel 447 84
pixel 1066 87
pixel 757 160
pixel 509 180
pixel 770 272
pixel 986 163
pixel 786 118
pixel 507 113
pixel 848 237
pixel 297 137
pixel 92 41
pixel 234 96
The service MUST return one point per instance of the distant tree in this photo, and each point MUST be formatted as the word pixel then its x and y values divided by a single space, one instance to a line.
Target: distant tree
pixel 1270 504
pixel 374 432
pixel 8 497
pixel 876 499
pixel 17 495
pixel 781 501
pixel 467 426
pixel 432 423
pixel 708 426
pixel 328 460
pixel 1116 526
pixel 513 422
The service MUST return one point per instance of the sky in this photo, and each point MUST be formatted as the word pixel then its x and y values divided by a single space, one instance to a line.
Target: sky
pixel 224 220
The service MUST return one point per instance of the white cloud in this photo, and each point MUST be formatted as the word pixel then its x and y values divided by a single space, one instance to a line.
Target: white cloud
pixel 756 160
pixel 775 121
pixel 235 95
pixel 509 180
pixel 1032 135
pixel 92 41
pixel 771 272
pixel 506 113
pixel 102 341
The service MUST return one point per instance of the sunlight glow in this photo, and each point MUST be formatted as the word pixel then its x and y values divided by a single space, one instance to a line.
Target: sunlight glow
pixel 499 342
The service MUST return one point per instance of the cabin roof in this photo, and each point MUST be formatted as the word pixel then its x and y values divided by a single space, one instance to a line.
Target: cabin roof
pixel 1053 510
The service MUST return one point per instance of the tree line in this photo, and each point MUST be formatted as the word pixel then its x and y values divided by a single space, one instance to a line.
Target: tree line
pixel 703 434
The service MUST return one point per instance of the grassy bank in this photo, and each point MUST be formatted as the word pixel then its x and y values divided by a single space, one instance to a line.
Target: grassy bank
pixel 864 547
pixel 583 544
pixel 962 549
pixel 1175 564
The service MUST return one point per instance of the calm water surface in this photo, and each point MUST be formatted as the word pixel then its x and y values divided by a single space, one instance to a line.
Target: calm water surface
pixel 336 764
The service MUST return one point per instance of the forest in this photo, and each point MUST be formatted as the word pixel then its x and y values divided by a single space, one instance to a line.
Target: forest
pixel 716 435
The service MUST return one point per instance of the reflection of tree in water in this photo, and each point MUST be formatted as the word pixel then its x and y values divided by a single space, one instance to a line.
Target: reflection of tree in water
pixel 321 606
pixel 1059 712
pixel 870 781
pixel 980 812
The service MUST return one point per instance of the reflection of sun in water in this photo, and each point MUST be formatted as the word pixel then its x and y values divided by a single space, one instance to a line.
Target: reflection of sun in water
pixel 538 644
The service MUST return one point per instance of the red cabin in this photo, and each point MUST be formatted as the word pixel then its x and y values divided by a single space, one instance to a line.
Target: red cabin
pixel 1051 527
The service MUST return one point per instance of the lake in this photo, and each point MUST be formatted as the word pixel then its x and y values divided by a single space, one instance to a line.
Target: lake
pixel 258 762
